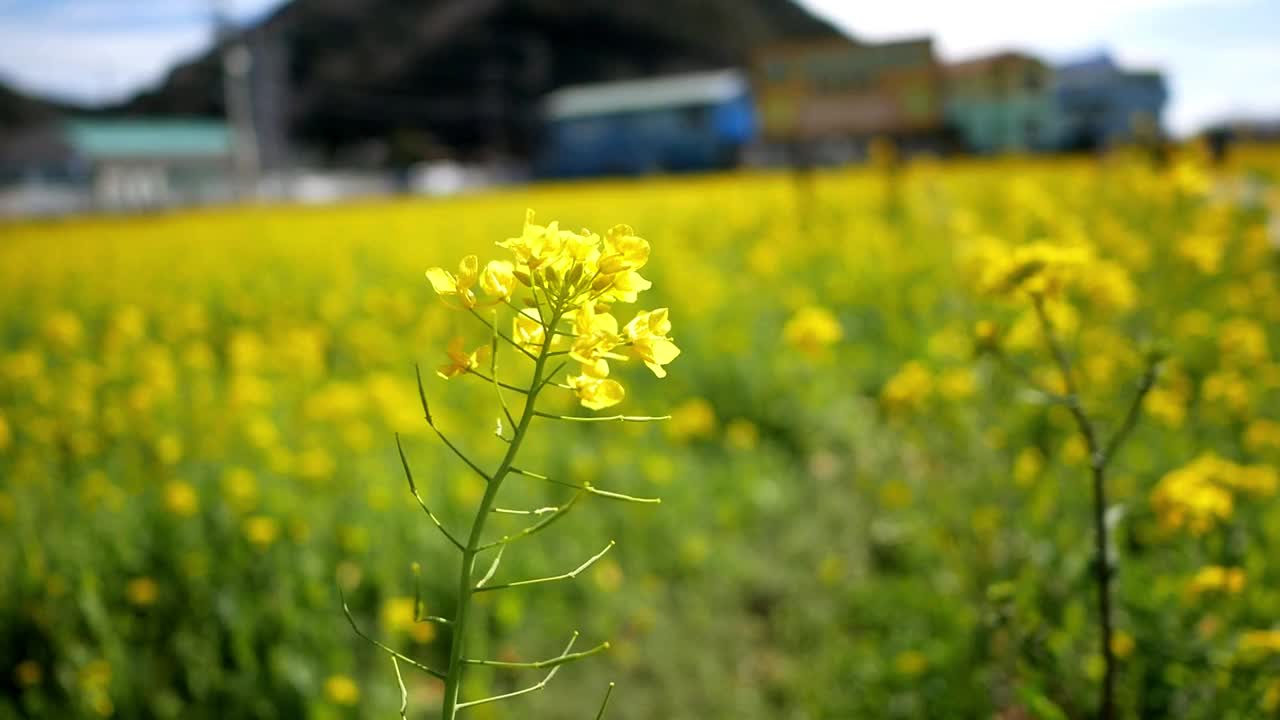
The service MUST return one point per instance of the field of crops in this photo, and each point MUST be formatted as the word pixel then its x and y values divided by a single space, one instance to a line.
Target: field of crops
pixel 863 514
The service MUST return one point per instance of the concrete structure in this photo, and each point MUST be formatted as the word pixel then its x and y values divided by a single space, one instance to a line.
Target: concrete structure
pixel 1002 103
pixel 832 92
pixel 1100 104
pixel 696 121
pixel 122 163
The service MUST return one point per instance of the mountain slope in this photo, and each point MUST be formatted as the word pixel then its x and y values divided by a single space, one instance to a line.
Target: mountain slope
pixel 464 75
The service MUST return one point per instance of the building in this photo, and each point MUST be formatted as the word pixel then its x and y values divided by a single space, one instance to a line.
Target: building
pixel 1002 103
pixel 832 96
pixel 1100 104
pixel 120 163
pixel 676 123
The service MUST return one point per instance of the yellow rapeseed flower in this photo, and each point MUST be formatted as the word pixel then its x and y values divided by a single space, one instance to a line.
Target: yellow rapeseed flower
pixel 456 290
pixel 341 690
pixel 1216 578
pixel 181 499
pixel 142 591
pixel 594 388
pixel 460 361
pixel 812 329
pixel 28 673
pixel 908 389
pixel 261 530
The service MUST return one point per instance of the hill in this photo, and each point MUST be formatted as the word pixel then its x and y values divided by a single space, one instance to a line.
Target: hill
pixel 462 75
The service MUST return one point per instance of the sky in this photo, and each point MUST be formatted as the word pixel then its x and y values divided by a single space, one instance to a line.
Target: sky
pixel 1221 57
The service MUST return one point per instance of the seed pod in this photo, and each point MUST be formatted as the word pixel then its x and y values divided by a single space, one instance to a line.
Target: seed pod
pixel 574 275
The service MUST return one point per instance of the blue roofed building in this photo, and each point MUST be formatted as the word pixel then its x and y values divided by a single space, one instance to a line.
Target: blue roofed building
pixel 678 123
pixel 1100 104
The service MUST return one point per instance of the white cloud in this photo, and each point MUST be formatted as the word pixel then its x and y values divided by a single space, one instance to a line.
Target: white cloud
pixel 103 50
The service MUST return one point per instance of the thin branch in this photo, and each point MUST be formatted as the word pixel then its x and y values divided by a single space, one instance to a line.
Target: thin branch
pixel 442 437
pixel 1135 409
pixel 1007 363
pixel 561 659
pixel 347 611
pixel 605 703
pixel 414 489
pixel 493 372
pixel 553 578
pixel 493 567
pixel 1064 367
pixel 551 376
pixel 422 395
pixel 609 418
pixel 535 511
pixel 539 526
pixel 532 688
pixel 503 335
pixel 404 692
pixel 586 487
pixel 505 386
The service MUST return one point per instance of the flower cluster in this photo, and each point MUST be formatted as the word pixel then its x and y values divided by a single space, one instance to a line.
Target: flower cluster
pixel 573 279
pixel 1038 269
pixel 1201 494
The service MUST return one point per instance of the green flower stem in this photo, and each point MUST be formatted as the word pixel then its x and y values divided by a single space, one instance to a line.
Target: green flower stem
pixel 540 664
pixel 1102 561
pixel 604 704
pixel 551 578
pixel 532 688
pixel 453 677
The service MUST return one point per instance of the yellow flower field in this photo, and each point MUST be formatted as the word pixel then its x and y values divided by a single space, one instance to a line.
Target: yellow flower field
pixel 863 513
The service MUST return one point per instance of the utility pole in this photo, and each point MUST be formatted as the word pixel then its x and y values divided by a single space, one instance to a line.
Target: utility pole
pixel 237 62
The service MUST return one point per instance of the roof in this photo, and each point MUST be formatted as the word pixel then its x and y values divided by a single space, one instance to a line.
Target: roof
pixel 148 138
pixel 648 94
pixel 986 63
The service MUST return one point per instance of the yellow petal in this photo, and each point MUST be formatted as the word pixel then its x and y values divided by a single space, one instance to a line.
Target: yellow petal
pixel 442 281
pixel 498 278
pixel 468 271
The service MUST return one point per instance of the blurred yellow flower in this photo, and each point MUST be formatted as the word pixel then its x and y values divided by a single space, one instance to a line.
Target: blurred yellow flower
pixel 693 418
pixel 1260 642
pixel 341 690
pixel 142 591
pixel 1262 434
pixel 910 663
pixel 181 499
pixel 460 361
pixel 1203 252
pixel 812 329
pixel 28 673
pixel 1122 644
pixel 240 488
pixel 261 530
pixel 398 614
pixel 1028 467
pixel 957 384
pixel 741 434
pixel 909 389
pixel 6 435
pixel 1199 495
pixel 1216 578
pixel 1040 269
